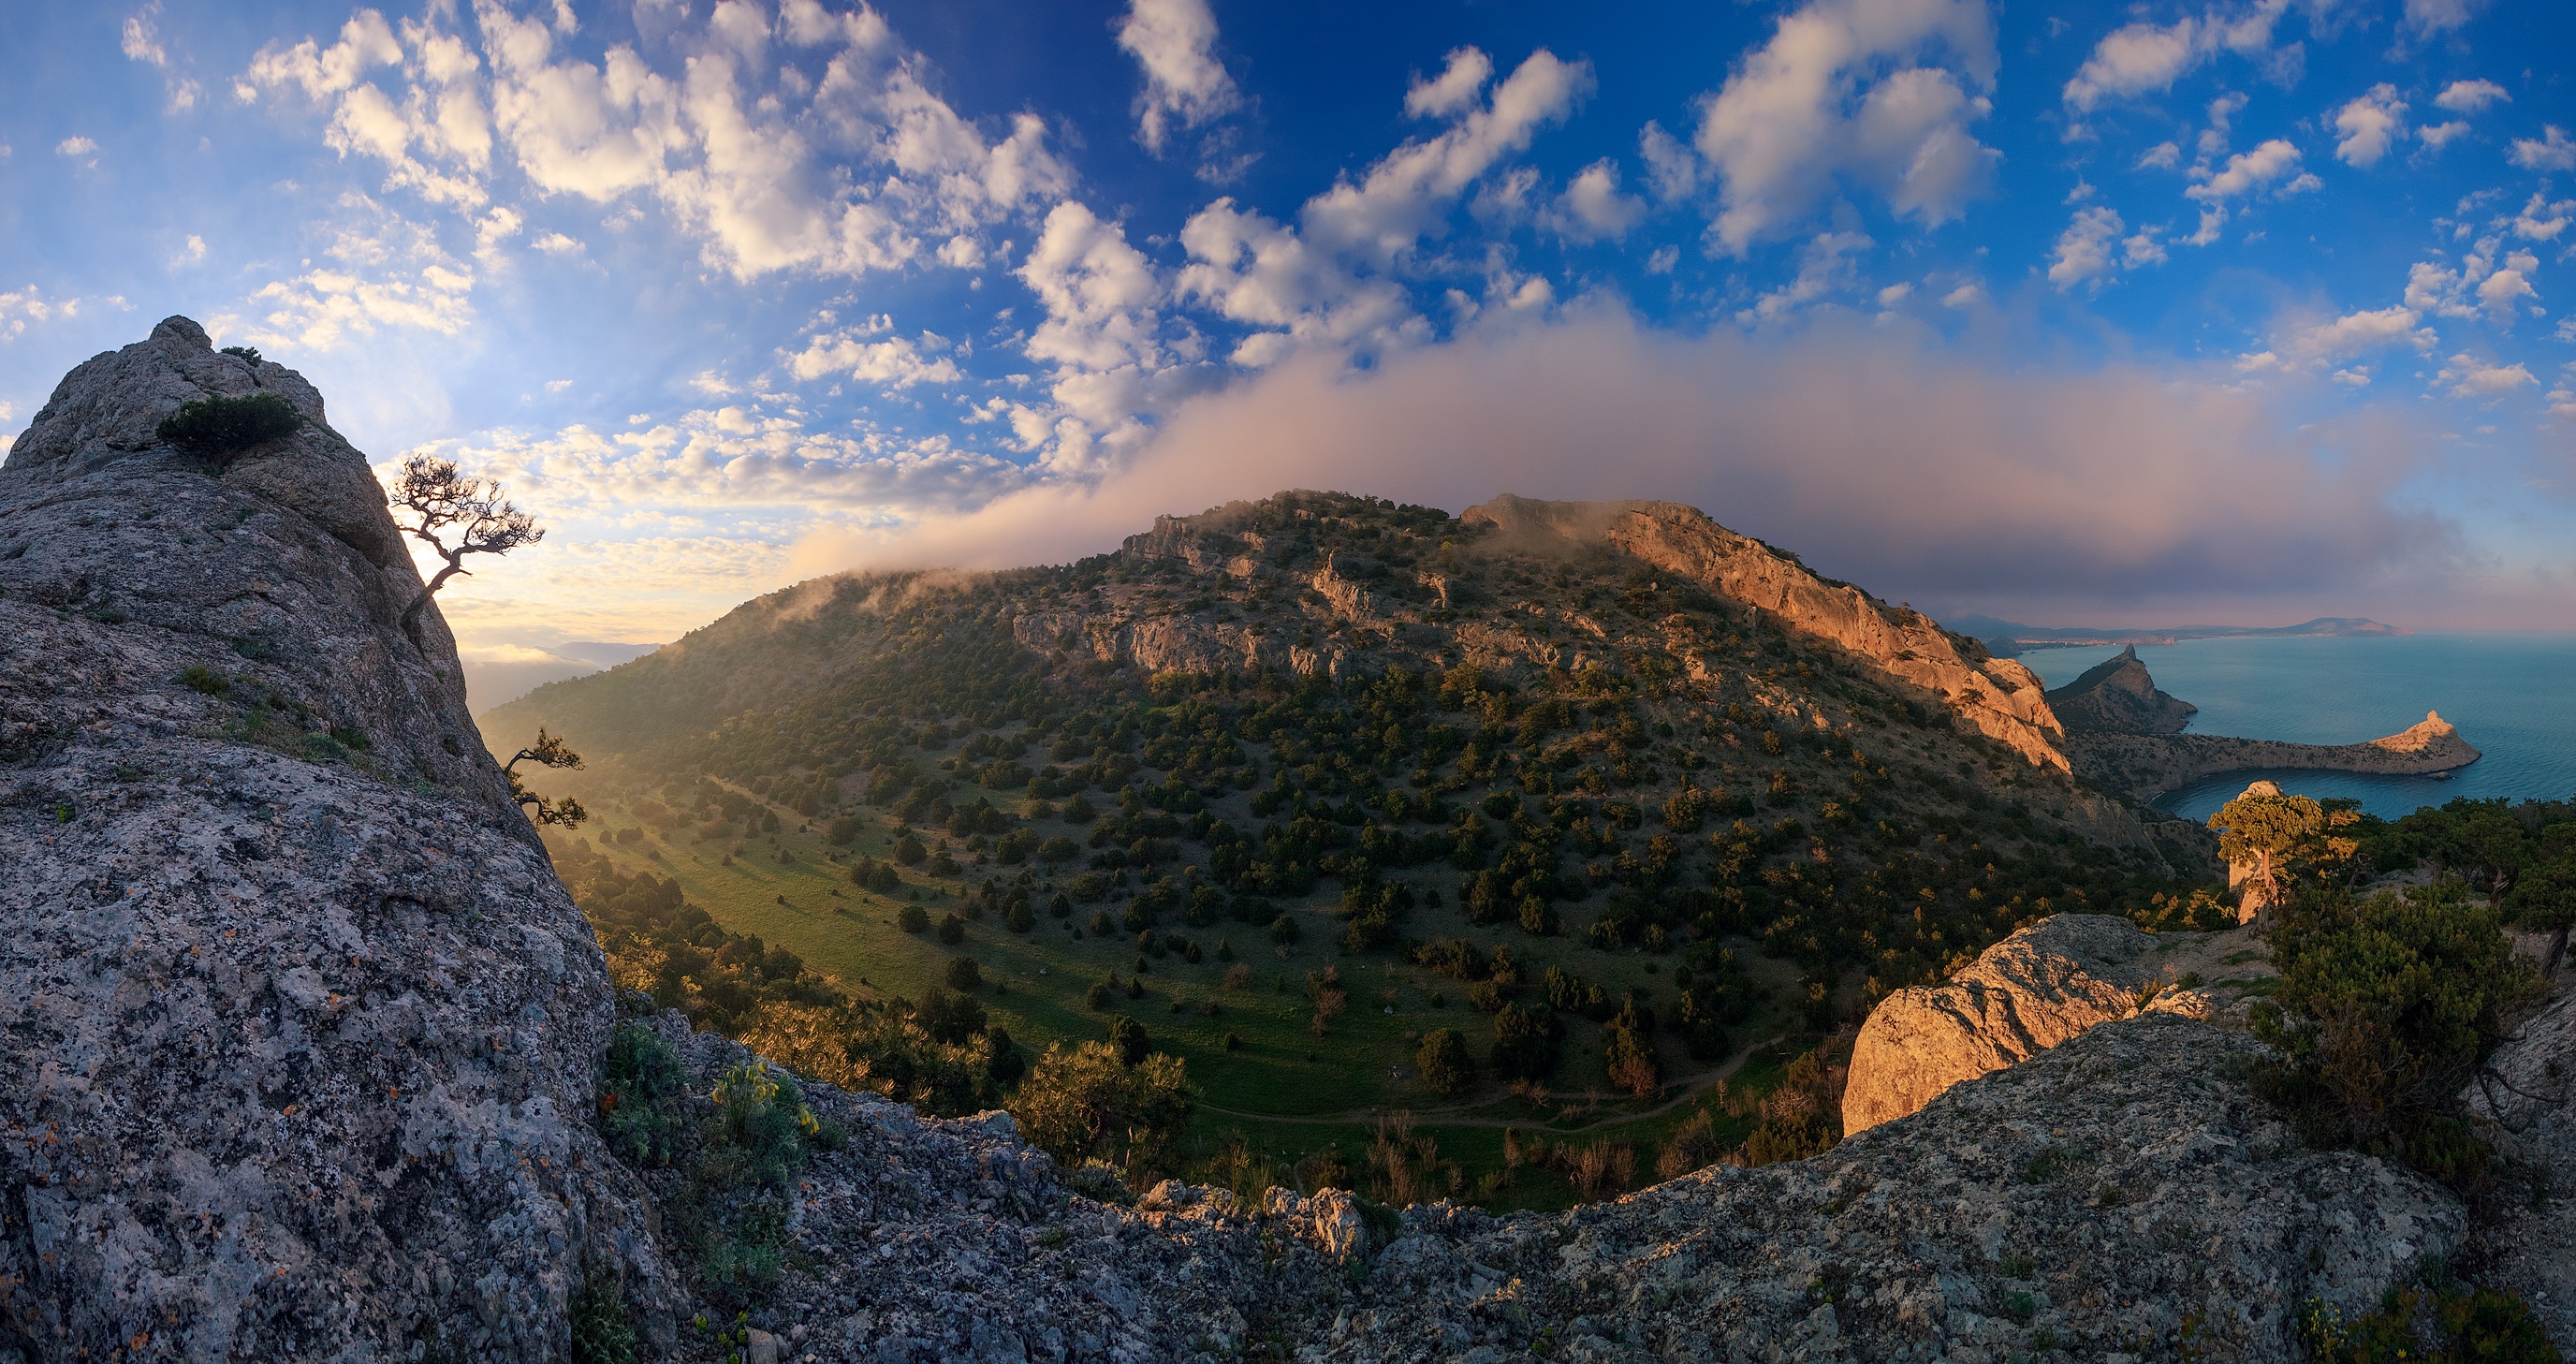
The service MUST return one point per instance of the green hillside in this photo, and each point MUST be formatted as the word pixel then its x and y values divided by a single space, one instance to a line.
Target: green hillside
pixel 1491 787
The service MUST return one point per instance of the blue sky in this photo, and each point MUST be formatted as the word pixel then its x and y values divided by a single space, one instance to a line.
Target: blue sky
pixel 2100 313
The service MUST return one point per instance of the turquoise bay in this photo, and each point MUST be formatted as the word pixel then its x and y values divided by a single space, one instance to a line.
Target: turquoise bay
pixel 2513 694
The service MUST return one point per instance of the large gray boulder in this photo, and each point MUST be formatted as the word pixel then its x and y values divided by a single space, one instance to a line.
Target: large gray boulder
pixel 2118 1196
pixel 2525 1095
pixel 297 1027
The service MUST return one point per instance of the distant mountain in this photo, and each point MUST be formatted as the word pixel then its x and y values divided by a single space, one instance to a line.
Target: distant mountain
pixel 496 679
pixel 2009 638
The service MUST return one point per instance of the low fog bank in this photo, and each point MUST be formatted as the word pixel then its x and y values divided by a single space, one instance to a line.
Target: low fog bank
pixel 1940 478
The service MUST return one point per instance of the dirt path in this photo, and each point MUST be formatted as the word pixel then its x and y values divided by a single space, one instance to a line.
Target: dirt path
pixel 1689 1086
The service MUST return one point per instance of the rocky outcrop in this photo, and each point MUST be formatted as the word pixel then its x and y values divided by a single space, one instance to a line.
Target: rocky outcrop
pixel 2119 697
pixel 2525 1094
pixel 297 1026
pixel 2101 1199
pixel 2050 982
pixel 2105 1198
pixel 2150 765
pixel 2000 698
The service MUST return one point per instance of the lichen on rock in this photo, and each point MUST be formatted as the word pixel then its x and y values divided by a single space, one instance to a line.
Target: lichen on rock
pixel 297 1025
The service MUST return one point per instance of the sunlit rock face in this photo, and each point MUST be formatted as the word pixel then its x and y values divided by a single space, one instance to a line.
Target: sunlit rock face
pixel 2000 697
pixel 2037 989
pixel 2121 697
pixel 297 1026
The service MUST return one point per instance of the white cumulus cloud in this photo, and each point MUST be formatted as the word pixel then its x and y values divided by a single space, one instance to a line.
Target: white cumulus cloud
pixel 2084 248
pixel 1879 91
pixel 896 362
pixel 2368 125
pixel 2471 377
pixel 1592 208
pixel 2143 57
pixel 2551 151
pixel 2468 97
pixel 1185 85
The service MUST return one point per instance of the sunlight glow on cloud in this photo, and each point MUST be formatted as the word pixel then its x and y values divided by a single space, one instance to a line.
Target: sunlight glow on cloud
pixel 645 263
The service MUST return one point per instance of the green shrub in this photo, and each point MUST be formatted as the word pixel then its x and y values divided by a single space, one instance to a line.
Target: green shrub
pixel 640 1096
pixel 601 1332
pixel 1090 1103
pixel 1801 1118
pixel 762 1127
pixel 1443 1061
pixel 2385 1008
pixel 205 681
pixel 913 919
pixel 222 428
pixel 1128 1036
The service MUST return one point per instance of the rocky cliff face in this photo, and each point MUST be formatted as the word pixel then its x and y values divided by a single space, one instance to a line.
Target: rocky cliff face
pixel 2044 985
pixel 2001 698
pixel 296 1025
pixel 2527 1090
pixel 2120 697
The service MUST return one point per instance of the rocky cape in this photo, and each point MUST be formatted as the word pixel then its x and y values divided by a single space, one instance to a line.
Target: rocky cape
pixel 2124 734
pixel 2149 765
pixel 2118 696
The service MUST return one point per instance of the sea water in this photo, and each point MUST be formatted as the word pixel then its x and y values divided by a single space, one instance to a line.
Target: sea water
pixel 2512 694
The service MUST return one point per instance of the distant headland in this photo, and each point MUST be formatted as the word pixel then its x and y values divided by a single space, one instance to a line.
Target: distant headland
pixel 2008 639
pixel 2124 733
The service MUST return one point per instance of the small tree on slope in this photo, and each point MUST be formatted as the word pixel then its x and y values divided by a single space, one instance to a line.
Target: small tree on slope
pixel 443 499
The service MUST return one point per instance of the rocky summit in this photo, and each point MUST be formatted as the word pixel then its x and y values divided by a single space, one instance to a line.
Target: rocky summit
pixel 2120 697
pixel 297 1026
pixel 305 1054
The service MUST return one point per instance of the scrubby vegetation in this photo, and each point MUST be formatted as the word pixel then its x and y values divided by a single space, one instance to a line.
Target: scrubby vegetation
pixel 2391 998
pixel 719 1162
pixel 1555 841
pixel 221 429
pixel 2386 1005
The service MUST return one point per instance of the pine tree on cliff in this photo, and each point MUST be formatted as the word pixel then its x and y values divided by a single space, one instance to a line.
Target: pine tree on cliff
pixel 441 498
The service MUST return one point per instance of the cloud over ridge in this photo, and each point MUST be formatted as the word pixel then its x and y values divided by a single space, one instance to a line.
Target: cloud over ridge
pixel 1950 480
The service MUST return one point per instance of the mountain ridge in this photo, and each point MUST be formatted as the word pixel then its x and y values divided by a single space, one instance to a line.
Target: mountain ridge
pixel 2009 637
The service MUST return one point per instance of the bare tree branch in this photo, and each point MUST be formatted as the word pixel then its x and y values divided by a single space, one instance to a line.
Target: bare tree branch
pixel 443 500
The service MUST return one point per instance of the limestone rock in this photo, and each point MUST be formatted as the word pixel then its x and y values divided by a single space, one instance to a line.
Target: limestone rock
pixel 2099 1197
pixel 2000 697
pixel 2033 990
pixel 297 1026
pixel 2104 1196
pixel 2121 697
pixel 2527 1092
